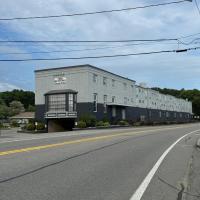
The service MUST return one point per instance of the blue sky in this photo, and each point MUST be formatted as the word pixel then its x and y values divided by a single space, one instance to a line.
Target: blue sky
pixel 164 70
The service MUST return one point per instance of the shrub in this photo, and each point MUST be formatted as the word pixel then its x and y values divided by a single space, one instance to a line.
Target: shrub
pixel 106 124
pixel 100 123
pixel 123 123
pixel 30 127
pixel 14 124
pixel 89 119
pixel 81 124
pixel 105 119
pixel 41 126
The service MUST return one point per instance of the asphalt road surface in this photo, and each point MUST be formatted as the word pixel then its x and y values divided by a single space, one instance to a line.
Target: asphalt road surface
pixel 158 163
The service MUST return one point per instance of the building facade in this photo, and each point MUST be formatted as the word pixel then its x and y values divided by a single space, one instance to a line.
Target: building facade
pixel 64 94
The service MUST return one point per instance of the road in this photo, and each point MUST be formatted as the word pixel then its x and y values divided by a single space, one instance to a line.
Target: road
pixel 116 164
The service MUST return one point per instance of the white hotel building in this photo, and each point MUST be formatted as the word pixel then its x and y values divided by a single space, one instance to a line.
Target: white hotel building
pixel 66 93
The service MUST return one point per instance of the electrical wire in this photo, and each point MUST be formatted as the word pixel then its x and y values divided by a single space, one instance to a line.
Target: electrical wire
pixel 77 50
pixel 93 12
pixel 103 56
pixel 197 6
pixel 88 41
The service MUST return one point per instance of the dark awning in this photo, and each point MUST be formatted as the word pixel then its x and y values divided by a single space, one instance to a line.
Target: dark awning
pixel 61 91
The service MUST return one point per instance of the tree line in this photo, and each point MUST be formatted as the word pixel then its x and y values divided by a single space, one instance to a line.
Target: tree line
pixel 15 102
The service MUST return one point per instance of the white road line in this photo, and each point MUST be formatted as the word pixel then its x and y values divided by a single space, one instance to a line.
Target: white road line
pixel 143 186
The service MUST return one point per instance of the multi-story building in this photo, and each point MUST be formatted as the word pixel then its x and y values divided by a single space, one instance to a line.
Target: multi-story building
pixel 64 94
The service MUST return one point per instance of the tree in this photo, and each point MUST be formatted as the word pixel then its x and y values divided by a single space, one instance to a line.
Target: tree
pixel 25 97
pixel 31 108
pixel 16 107
pixel 4 112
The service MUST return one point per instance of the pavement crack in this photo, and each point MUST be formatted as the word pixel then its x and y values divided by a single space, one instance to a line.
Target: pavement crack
pixel 180 191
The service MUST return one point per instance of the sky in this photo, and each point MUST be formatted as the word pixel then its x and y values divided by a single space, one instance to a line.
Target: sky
pixel 174 70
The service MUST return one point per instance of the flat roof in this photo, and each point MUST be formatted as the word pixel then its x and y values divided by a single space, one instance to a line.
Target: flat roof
pixel 85 65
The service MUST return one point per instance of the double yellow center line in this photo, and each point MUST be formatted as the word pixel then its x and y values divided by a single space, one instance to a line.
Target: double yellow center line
pixel 90 139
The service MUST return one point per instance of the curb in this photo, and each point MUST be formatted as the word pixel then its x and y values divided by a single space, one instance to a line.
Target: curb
pixel 198 143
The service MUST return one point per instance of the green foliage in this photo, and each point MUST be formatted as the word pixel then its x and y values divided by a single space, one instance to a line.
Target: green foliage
pixel 123 123
pixel 14 123
pixel 30 108
pixel 25 97
pixel 30 127
pixel 81 124
pixel 106 124
pixel 191 95
pixel 40 126
pixel 5 112
pixel 100 123
pixel 89 119
pixel 2 102
pixel 16 107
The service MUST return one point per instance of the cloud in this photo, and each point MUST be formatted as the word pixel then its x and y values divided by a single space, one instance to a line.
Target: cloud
pixel 7 87
pixel 162 22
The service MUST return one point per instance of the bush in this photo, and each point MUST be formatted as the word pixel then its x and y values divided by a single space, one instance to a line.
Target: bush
pixel 41 126
pixel 14 124
pixel 30 127
pixel 81 124
pixel 100 123
pixel 106 124
pixel 123 123
pixel 89 119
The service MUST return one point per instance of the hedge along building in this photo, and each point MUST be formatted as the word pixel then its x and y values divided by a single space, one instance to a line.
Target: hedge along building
pixel 64 94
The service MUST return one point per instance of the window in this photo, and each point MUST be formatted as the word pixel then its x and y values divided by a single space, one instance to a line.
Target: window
pixel 174 115
pixel 104 81
pixel 123 114
pixel 160 114
pixel 113 99
pixel 125 86
pixel 57 103
pixel 125 100
pixel 95 102
pixel 167 114
pixel 113 112
pixel 105 103
pixel 150 113
pixel 113 83
pixel 71 103
pixel 94 78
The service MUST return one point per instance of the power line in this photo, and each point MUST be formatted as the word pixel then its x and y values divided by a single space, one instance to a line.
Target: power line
pixel 197 6
pixel 93 12
pixel 187 36
pixel 189 43
pixel 103 56
pixel 88 41
pixel 98 41
pixel 76 50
